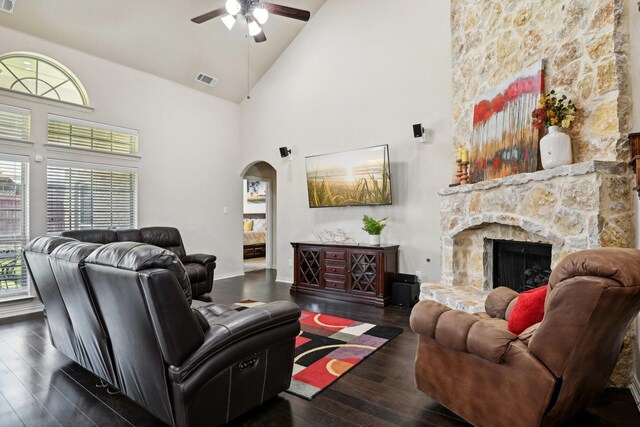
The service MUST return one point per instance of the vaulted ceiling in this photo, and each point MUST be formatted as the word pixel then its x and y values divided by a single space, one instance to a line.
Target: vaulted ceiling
pixel 158 37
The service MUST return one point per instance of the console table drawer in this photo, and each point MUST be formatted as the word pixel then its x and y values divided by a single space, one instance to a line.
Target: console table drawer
pixel 335 268
pixel 334 282
pixel 335 254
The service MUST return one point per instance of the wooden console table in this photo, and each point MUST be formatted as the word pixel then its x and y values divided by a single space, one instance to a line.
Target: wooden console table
pixel 350 272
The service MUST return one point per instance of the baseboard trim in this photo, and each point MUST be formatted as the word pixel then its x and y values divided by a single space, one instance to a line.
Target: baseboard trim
pixel 20 317
pixel 227 276
pixel 635 389
pixel 283 279
pixel 15 309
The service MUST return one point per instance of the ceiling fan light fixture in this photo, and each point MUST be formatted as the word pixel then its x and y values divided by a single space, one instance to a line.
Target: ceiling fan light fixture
pixel 254 28
pixel 261 14
pixel 233 7
pixel 229 21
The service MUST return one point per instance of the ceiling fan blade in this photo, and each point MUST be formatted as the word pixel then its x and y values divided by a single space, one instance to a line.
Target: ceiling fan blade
pixel 209 15
pixel 259 38
pixel 288 12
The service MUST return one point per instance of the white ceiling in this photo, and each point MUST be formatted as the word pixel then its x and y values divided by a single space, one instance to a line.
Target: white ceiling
pixel 158 37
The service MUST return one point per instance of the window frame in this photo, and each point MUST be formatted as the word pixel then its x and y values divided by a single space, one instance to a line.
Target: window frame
pixel 90 166
pixel 68 74
pixel 20 111
pixel 93 126
pixel 24 236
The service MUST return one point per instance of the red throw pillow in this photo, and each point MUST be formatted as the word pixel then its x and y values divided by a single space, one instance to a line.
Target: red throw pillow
pixel 528 310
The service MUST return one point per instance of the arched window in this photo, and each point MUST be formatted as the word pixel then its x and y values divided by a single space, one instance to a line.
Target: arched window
pixel 38 75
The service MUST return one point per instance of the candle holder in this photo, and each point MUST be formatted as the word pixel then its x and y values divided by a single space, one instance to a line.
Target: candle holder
pixel 464 177
pixel 458 176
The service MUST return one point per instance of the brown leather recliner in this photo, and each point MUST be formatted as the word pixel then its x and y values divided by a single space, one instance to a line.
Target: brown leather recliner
pixel 474 366
pixel 199 267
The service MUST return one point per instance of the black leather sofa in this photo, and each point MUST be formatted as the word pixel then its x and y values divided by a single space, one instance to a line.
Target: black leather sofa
pixel 120 311
pixel 199 267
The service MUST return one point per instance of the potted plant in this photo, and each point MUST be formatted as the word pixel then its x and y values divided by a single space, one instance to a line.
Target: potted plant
pixel 373 227
pixel 556 113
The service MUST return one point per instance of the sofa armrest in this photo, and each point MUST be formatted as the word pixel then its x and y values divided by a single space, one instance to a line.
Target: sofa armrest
pixel 461 331
pixel 228 330
pixel 203 259
pixel 498 301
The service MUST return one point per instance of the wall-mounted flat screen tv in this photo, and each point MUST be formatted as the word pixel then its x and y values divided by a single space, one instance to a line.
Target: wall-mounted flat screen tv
pixel 349 178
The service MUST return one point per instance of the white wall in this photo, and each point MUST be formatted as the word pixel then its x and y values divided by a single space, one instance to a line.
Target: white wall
pixel 634 68
pixel 188 148
pixel 356 77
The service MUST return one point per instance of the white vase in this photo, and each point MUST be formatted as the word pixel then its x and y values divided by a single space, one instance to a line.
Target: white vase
pixel 555 148
pixel 374 239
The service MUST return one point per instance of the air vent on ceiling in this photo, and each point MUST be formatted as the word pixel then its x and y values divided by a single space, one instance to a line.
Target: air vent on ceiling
pixel 205 79
pixel 7 6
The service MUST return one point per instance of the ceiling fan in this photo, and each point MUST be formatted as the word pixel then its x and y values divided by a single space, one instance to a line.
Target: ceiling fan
pixel 254 12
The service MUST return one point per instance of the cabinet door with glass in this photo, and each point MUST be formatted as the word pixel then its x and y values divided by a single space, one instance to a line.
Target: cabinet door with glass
pixel 309 266
pixel 363 272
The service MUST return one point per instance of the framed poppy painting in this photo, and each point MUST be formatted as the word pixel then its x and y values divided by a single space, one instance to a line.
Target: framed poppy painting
pixel 505 142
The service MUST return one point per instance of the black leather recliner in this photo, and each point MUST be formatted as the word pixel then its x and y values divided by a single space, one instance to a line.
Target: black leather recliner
pixel 91 344
pixel 36 256
pixel 129 322
pixel 199 267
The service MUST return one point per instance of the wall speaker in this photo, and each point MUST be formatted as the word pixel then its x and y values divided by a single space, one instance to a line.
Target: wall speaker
pixel 285 152
pixel 418 132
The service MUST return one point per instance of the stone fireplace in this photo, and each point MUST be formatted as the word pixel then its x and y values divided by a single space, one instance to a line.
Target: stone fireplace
pixel 585 46
pixel 575 207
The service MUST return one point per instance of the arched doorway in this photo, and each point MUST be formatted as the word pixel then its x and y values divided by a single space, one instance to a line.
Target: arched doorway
pixel 259 216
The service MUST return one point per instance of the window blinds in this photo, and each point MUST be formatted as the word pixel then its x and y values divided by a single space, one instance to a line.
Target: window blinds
pixel 15 123
pixel 14 225
pixel 82 196
pixel 91 136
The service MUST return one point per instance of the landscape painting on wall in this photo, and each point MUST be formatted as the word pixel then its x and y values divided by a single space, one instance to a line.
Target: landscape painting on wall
pixel 349 178
pixel 504 140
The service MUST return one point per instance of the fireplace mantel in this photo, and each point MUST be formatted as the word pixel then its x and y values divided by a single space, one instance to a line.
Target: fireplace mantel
pixel 577 169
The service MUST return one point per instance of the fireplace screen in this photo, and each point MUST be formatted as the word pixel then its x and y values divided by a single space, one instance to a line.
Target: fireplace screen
pixel 521 265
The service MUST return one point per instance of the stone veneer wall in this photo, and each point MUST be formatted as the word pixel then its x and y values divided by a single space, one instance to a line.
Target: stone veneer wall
pixel 585 205
pixel 585 48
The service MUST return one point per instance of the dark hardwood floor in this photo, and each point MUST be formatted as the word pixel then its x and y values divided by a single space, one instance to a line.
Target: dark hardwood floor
pixel 41 387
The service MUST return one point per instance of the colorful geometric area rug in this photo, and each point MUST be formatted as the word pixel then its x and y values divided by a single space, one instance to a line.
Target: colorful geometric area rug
pixel 328 347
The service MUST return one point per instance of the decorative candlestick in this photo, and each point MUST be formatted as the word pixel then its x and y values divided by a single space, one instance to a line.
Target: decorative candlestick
pixel 458 175
pixel 464 176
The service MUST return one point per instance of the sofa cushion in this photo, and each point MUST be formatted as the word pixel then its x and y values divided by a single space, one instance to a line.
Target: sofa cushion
pixel 133 235
pixel 136 256
pixel 92 236
pixel 528 310
pixel 165 237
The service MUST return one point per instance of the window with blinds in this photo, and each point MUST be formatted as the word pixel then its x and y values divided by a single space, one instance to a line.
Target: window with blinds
pixel 15 123
pixel 91 136
pixel 14 225
pixel 82 196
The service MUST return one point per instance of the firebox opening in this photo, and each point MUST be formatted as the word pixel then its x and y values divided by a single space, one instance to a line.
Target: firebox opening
pixel 521 265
